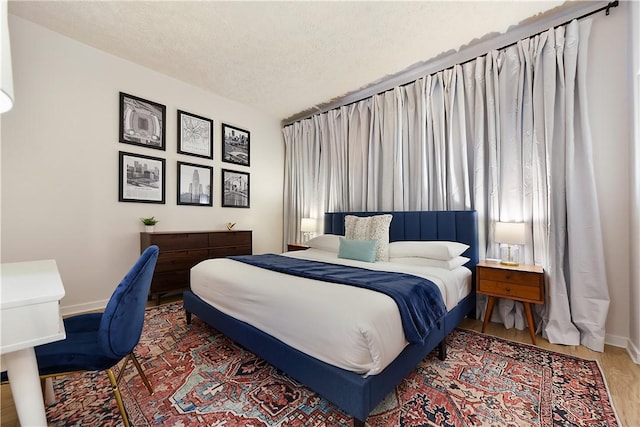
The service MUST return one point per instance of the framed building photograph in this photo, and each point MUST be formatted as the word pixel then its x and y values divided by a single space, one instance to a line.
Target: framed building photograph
pixel 195 135
pixel 195 183
pixel 235 145
pixel 141 178
pixel 142 122
pixel 235 189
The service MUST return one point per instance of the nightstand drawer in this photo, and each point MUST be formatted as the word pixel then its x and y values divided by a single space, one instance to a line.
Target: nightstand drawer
pixel 510 276
pixel 296 247
pixel 510 290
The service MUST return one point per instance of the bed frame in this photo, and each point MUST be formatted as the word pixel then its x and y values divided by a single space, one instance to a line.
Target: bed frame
pixel 351 392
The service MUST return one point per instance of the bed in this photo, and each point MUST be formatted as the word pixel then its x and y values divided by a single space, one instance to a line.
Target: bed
pixel 358 391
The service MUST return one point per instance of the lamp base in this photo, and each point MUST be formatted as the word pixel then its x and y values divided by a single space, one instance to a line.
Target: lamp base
pixel 509 255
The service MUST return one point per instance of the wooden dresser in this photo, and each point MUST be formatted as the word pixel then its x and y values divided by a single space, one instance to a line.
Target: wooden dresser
pixel 181 250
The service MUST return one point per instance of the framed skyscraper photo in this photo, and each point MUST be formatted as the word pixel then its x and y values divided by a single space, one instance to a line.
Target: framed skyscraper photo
pixel 235 145
pixel 141 178
pixel 195 183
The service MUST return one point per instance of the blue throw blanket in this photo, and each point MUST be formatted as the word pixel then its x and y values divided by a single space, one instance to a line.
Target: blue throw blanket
pixel 418 299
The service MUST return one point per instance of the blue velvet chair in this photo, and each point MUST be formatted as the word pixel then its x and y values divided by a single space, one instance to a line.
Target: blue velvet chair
pixel 99 341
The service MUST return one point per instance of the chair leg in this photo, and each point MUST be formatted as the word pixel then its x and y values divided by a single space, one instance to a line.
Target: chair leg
pixel 116 392
pixel 123 367
pixel 134 359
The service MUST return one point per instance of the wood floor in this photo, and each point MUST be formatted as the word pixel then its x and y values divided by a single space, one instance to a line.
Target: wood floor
pixel 621 374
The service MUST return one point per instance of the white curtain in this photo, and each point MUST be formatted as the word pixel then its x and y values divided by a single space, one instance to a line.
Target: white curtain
pixel 506 134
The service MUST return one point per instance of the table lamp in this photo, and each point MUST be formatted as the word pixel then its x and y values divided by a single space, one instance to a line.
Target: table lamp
pixel 308 227
pixel 510 235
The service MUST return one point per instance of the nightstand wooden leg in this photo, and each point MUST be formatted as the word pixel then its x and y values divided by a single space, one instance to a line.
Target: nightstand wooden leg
pixel 532 331
pixel 487 314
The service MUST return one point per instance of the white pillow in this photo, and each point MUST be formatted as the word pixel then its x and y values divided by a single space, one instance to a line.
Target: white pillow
pixel 370 228
pixel 325 242
pixel 452 264
pixel 434 249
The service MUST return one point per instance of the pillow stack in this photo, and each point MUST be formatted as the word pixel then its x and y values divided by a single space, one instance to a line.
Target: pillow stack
pixel 438 253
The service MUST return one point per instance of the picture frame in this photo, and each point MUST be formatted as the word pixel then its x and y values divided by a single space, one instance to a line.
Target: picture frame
pixel 141 178
pixel 235 189
pixel 195 135
pixel 142 122
pixel 195 184
pixel 236 144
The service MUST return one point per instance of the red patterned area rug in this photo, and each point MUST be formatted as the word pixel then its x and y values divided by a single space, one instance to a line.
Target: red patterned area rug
pixel 201 378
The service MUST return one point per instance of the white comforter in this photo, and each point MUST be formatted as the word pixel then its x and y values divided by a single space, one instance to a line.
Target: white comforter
pixel 349 327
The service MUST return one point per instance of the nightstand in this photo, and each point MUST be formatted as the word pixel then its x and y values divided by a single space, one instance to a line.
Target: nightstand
pixel 524 283
pixel 296 247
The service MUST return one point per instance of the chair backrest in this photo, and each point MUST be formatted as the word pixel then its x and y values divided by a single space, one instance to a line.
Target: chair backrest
pixel 123 318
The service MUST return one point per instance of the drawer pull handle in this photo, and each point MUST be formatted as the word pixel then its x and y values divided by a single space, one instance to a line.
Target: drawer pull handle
pixel 507 289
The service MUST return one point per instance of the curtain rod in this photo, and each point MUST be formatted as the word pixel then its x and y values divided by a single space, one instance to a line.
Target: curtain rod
pixel 606 8
pixel 462 56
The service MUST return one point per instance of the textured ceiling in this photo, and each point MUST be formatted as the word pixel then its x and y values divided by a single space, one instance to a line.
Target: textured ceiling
pixel 278 57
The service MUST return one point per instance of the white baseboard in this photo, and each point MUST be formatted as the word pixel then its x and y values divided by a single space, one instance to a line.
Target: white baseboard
pixel 70 310
pixel 616 340
pixel 634 352
pixel 624 342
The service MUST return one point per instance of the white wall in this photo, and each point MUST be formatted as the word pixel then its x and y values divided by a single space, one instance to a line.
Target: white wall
pixel 60 164
pixel 634 160
pixel 609 104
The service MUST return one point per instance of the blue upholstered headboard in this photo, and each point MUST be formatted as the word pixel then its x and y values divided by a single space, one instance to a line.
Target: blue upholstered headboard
pixel 457 226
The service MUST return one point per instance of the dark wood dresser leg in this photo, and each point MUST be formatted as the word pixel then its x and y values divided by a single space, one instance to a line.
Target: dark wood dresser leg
pixel 357 422
pixel 188 314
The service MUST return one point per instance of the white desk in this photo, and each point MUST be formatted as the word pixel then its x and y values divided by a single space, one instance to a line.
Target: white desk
pixel 29 300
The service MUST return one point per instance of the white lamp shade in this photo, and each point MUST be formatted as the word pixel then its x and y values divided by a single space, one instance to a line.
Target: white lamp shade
pixel 308 225
pixel 511 233
pixel 6 78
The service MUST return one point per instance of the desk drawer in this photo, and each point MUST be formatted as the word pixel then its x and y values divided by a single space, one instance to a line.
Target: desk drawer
pixel 511 290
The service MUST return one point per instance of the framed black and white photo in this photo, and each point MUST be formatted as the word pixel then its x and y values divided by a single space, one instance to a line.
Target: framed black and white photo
pixel 142 122
pixel 235 189
pixel 195 183
pixel 141 178
pixel 235 145
pixel 195 135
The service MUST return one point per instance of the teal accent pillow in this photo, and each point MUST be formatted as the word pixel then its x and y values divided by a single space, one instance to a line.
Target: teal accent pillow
pixel 359 250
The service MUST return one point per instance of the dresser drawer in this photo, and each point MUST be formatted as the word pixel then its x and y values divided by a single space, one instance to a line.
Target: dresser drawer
pixel 169 281
pixel 180 260
pixel 510 290
pixel 230 238
pixel 229 251
pixel 520 277
pixel 177 241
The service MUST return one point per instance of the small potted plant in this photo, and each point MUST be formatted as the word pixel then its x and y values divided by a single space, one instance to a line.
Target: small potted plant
pixel 149 223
